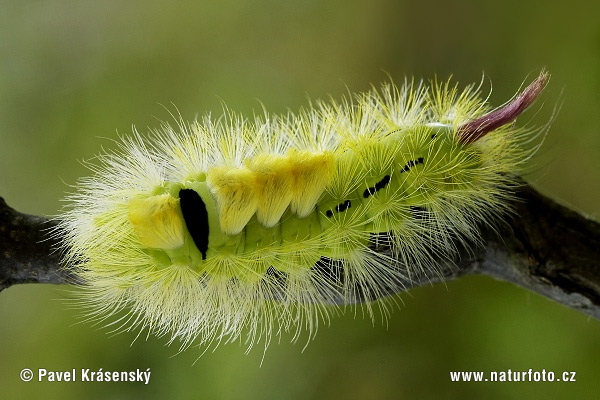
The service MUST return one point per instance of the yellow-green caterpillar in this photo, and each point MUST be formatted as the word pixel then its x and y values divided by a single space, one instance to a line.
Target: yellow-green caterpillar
pixel 230 228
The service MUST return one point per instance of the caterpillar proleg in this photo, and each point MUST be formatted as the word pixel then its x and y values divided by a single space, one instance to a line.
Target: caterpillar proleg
pixel 230 228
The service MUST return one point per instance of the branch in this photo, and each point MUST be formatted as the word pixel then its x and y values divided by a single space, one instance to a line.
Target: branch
pixel 546 248
pixel 27 254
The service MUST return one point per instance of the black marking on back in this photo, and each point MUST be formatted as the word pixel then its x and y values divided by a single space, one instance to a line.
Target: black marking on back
pixel 412 163
pixel 343 206
pixel 339 208
pixel 195 217
pixel 378 186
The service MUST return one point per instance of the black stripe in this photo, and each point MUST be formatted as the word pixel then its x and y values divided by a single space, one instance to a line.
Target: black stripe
pixel 378 186
pixel 195 217
pixel 412 163
pixel 343 206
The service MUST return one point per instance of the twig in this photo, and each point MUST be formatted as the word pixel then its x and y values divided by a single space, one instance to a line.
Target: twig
pixel 546 248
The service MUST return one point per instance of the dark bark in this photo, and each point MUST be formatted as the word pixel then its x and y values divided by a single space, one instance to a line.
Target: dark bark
pixel 27 252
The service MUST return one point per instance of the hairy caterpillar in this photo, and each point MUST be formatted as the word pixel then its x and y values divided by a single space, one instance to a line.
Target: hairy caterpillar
pixel 230 228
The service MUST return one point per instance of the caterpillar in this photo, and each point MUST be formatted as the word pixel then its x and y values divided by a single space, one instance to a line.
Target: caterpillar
pixel 235 229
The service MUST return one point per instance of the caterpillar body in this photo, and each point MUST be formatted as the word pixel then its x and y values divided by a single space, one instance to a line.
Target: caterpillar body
pixel 230 228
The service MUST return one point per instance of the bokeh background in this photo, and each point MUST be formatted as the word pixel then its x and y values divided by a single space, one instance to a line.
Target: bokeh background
pixel 75 74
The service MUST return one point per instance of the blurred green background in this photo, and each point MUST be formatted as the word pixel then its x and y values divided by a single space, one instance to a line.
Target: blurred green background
pixel 74 73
